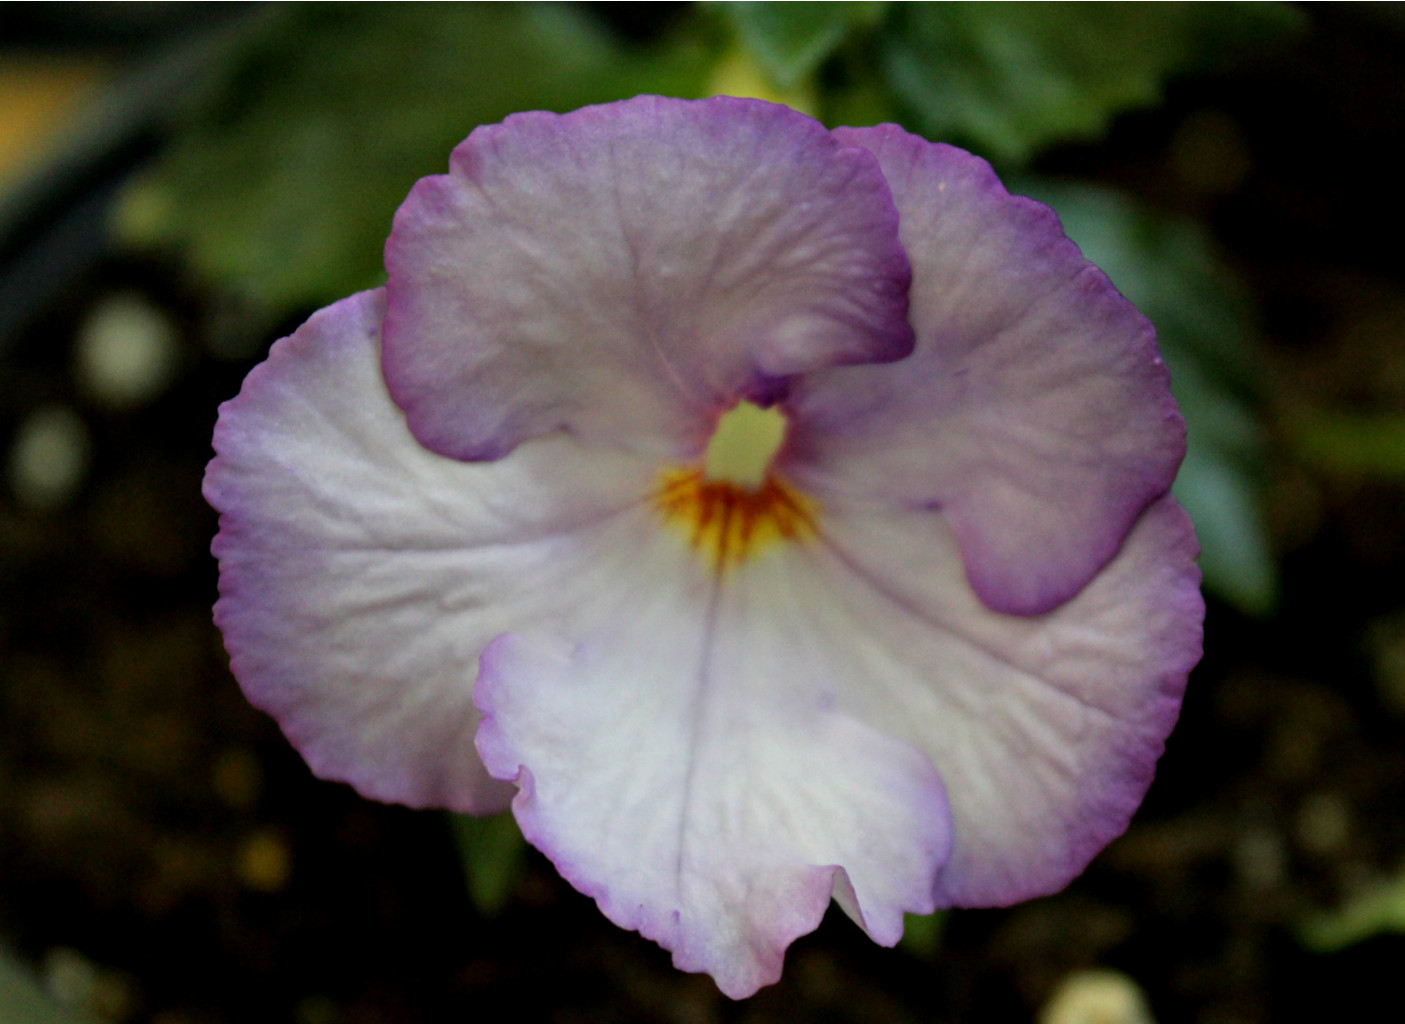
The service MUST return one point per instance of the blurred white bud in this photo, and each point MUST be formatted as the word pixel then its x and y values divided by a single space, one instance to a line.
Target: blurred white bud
pixel 126 351
pixel 49 458
pixel 1097 997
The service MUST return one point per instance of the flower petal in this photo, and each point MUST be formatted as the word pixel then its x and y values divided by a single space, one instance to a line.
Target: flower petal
pixel 627 271
pixel 361 576
pixel 683 762
pixel 1035 412
pixel 1046 729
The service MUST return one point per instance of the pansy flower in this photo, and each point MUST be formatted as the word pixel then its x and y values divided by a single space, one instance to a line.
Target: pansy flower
pixel 768 514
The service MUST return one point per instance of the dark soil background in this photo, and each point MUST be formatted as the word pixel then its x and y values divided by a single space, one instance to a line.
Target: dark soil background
pixel 165 856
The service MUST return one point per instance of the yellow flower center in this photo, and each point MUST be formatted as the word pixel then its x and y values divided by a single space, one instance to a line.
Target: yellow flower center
pixel 733 506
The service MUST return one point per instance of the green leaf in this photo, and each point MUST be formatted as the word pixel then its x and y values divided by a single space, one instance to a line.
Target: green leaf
pixel 1378 910
pixel 1224 502
pixel 493 854
pixel 284 179
pixel 1358 444
pixel 1205 327
pixel 922 934
pixel 22 1001
pixel 791 40
pixel 1007 79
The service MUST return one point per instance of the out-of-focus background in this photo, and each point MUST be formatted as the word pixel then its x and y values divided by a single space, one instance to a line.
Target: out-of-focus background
pixel 182 183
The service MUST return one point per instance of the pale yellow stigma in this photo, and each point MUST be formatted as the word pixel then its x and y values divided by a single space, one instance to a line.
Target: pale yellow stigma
pixel 732 506
pixel 745 440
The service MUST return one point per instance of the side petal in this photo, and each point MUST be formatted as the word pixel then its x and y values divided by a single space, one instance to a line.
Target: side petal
pixel 682 761
pixel 361 576
pixel 1035 412
pixel 1045 729
pixel 627 271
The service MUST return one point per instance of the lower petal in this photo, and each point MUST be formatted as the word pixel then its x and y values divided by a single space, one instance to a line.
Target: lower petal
pixel 683 759
pixel 1045 729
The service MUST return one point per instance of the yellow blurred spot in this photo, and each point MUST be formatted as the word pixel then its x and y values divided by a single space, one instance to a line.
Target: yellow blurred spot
pixel 39 99
pixel 263 861
pixel 738 74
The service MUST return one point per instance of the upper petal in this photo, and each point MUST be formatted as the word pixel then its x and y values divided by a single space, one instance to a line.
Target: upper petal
pixel 361 576
pixel 626 271
pixel 1035 411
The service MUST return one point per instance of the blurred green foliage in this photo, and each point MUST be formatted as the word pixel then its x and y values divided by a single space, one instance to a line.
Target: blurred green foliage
pixel 791 40
pixel 1353 444
pixel 1206 329
pixel 1379 909
pixel 1008 79
pixel 22 1001
pixel 491 850
pixel 285 176
pixel 922 934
